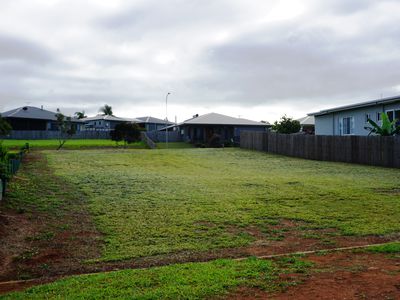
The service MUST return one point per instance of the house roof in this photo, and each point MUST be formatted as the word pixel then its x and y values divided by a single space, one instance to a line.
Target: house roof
pixel 30 112
pixel 219 119
pixel 110 118
pixel 387 100
pixel 307 120
pixel 153 120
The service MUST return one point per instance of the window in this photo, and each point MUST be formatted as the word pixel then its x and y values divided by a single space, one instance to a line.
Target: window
pixel 390 114
pixel 378 116
pixel 397 116
pixel 367 117
pixel 347 125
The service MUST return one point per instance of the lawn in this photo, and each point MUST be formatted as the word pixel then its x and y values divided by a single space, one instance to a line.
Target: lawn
pixel 149 202
pixel 70 144
pixel 179 281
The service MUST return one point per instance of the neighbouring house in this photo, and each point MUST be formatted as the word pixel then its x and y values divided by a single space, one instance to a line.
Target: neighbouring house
pixel 151 123
pixel 307 124
pixel 105 122
pixel 200 129
pixel 351 119
pixel 30 118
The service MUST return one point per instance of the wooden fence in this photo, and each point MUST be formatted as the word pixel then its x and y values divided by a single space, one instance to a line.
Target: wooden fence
pixel 368 150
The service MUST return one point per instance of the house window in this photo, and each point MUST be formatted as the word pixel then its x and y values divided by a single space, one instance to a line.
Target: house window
pixel 390 114
pixel 378 116
pixel 347 125
pixel 397 116
pixel 367 117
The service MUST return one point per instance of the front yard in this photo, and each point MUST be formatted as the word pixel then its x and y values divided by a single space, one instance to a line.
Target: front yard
pixel 140 208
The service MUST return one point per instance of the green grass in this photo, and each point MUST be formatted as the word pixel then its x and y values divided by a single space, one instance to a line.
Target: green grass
pixel 179 281
pixel 149 202
pixel 386 248
pixel 174 145
pixel 70 144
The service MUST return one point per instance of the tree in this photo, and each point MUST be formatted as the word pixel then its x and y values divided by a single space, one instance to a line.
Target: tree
pixel 286 125
pixel 106 110
pixel 65 128
pixel 80 114
pixel 127 132
pixel 5 127
pixel 387 128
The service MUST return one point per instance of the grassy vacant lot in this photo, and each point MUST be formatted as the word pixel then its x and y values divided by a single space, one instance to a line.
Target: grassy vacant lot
pixel 70 144
pixel 165 201
pixel 185 203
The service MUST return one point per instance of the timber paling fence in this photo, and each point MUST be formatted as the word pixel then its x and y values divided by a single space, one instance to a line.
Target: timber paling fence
pixel 368 150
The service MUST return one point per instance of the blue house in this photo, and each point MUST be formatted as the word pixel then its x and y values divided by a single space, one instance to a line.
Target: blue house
pixel 351 119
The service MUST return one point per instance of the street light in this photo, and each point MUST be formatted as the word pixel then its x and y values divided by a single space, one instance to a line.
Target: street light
pixel 166 119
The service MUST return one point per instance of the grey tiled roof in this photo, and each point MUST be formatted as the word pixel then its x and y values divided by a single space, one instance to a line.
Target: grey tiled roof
pixel 110 118
pixel 219 119
pixel 308 120
pixel 30 112
pixel 153 120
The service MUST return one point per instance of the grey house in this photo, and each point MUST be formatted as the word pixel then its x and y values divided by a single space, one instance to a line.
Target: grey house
pixel 200 129
pixel 105 122
pixel 151 123
pixel 30 118
pixel 351 119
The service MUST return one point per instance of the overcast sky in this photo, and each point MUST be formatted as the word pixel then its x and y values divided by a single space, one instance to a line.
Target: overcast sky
pixel 257 59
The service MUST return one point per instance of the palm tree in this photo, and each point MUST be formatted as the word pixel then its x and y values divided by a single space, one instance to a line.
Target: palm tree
pixel 106 110
pixel 80 114
pixel 387 128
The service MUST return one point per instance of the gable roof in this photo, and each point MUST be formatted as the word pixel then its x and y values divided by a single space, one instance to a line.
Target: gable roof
pixel 307 120
pixel 153 120
pixel 30 112
pixel 219 119
pixel 382 101
pixel 110 118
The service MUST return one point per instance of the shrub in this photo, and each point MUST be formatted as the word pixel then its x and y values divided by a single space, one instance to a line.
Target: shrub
pixel 286 125
pixel 127 132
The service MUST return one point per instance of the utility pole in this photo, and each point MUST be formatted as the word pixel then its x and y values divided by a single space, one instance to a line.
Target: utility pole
pixel 166 119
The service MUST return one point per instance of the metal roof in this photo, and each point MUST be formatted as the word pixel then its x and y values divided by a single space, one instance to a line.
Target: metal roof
pixel 219 119
pixel 153 120
pixel 110 118
pixel 387 100
pixel 30 112
pixel 308 120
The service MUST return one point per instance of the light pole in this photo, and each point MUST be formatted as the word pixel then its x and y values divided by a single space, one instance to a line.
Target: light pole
pixel 166 119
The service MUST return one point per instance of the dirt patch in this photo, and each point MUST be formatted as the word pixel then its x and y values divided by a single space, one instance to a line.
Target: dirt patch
pixel 293 236
pixel 349 276
pixel 341 275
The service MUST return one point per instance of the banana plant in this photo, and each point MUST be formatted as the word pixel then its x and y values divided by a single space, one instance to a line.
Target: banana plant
pixel 388 128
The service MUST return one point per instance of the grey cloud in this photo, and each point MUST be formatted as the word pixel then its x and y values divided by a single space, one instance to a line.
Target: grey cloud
pixel 13 48
pixel 307 64
pixel 307 59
